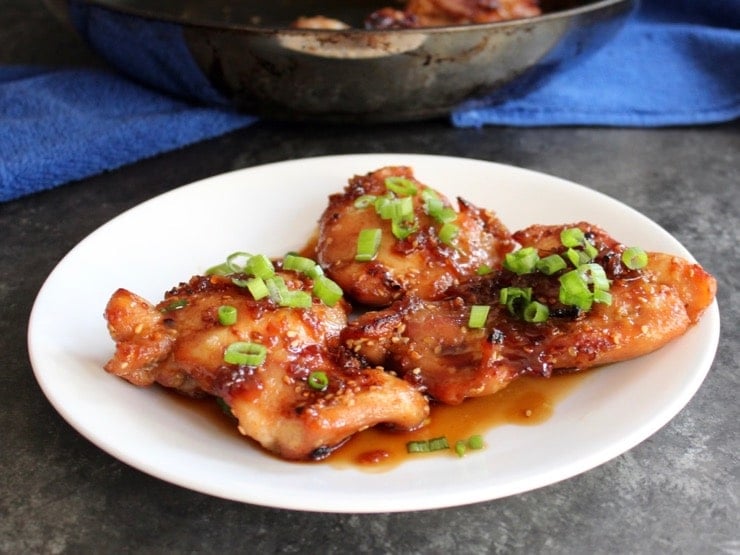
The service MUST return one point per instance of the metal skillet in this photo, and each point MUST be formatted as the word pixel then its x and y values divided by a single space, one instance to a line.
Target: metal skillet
pixel 244 54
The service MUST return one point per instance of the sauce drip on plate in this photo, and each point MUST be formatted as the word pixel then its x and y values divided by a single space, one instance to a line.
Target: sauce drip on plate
pixel 527 401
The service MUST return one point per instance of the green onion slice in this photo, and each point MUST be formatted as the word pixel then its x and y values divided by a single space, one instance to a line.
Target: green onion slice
pixel 572 237
pixel 590 250
pixel 227 315
pixel 448 233
pixel 603 297
pixel 298 263
pixel 421 446
pixel 476 442
pixel 577 257
pixel 257 288
pixel 400 185
pixel 515 298
pixel 432 203
pixel 296 299
pixel 327 290
pixel 364 201
pixel 478 316
pixel 574 290
pixel 438 444
pixel 522 261
pixel 402 229
pixel 260 266
pixel 428 445
pixel 236 262
pixel 315 272
pixel 483 270
pixel 174 305
pixel 595 275
pixel 535 312
pixel 277 288
pixel 318 380
pixel 245 353
pixel 368 243
pixel 460 447
pixel 634 258
pixel 551 264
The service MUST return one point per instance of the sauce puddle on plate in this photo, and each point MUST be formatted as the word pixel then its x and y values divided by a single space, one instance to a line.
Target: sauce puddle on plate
pixel 527 401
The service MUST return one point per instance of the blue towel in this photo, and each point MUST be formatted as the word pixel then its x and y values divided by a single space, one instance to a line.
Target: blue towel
pixel 676 62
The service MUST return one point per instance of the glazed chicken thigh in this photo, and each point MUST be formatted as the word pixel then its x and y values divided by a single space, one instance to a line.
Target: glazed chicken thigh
pixel 436 13
pixel 414 256
pixel 432 13
pixel 301 401
pixel 431 344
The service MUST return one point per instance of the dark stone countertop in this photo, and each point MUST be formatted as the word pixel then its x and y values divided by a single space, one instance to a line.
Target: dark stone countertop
pixel 676 492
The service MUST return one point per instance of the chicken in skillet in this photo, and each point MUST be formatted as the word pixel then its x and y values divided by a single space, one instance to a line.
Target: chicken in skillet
pixel 275 361
pixel 434 13
pixel 571 298
pixel 416 242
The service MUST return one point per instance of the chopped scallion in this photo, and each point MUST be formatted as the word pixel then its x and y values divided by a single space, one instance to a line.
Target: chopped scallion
pixel 227 315
pixel 417 446
pixel 438 444
pixel 364 201
pixel 572 237
pixel 551 264
pixel 476 442
pixel 448 233
pixel 327 290
pixel 595 275
pixel 428 445
pixel 590 250
pixel 368 243
pixel 603 297
pixel 478 316
pixel 315 271
pixel 577 257
pixel 318 380
pixel 295 299
pixel 260 266
pixel 574 290
pixel 634 258
pixel 177 304
pixel 400 185
pixel 276 288
pixel 522 261
pixel 245 353
pixel 460 447
pixel 515 298
pixel 535 312
pixel 298 263
pixel 257 288
pixel 403 228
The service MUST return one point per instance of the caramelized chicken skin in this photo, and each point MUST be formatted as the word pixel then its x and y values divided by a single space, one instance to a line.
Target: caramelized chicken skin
pixel 434 13
pixel 420 264
pixel 430 344
pixel 180 343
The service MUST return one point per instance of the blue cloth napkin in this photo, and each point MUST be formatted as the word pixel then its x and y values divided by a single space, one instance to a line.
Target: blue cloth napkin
pixel 676 62
pixel 60 125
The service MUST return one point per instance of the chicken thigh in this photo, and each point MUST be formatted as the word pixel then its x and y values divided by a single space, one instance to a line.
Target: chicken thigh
pixel 280 369
pixel 432 343
pixel 424 246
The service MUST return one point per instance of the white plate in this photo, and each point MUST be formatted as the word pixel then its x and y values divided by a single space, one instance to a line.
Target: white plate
pixel 273 209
